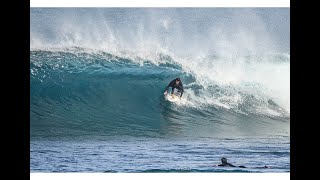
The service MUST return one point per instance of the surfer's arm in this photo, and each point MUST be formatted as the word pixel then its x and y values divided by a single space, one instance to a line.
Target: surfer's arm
pixel 264 167
pixel 181 94
pixel 181 89
pixel 166 91
pixel 170 84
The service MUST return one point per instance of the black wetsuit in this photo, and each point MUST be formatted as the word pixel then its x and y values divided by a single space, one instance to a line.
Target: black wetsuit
pixel 227 164
pixel 231 165
pixel 177 86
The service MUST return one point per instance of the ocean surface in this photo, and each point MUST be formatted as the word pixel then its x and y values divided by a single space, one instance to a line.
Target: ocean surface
pixel 97 78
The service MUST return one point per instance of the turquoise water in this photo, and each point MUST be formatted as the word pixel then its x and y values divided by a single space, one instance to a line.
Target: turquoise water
pixel 97 78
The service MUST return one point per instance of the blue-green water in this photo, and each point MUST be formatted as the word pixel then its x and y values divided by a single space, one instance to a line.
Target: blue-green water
pixel 99 107
pixel 125 154
pixel 90 114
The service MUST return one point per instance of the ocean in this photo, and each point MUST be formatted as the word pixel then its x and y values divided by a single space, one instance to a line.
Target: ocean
pixel 97 77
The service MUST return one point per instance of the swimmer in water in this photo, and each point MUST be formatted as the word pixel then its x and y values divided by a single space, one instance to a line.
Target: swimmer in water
pixel 225 163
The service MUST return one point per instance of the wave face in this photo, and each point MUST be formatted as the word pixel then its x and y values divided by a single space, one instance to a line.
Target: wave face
pixel 103 72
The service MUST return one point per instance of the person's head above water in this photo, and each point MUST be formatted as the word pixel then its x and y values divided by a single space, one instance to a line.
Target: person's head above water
pixel 177 80
pixel 224 160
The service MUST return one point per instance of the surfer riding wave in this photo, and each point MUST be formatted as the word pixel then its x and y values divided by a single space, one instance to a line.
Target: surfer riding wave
pixel 175 84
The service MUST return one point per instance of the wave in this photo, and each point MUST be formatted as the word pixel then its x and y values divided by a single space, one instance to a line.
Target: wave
pixel 84 92
pixel 103 71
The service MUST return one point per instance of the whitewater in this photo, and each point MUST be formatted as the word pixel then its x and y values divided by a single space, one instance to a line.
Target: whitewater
pixel 97 77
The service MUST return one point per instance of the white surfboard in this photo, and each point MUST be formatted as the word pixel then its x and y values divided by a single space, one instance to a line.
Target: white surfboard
pixel 172 98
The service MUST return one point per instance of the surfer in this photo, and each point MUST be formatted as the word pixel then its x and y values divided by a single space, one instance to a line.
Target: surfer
pixel 176 83
pixel 226 164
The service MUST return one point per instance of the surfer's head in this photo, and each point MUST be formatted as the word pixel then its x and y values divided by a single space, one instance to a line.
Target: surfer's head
pixel 177 80
pixel 224 160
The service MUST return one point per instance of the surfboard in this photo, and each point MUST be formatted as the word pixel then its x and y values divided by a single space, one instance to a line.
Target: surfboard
pixel 172 98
